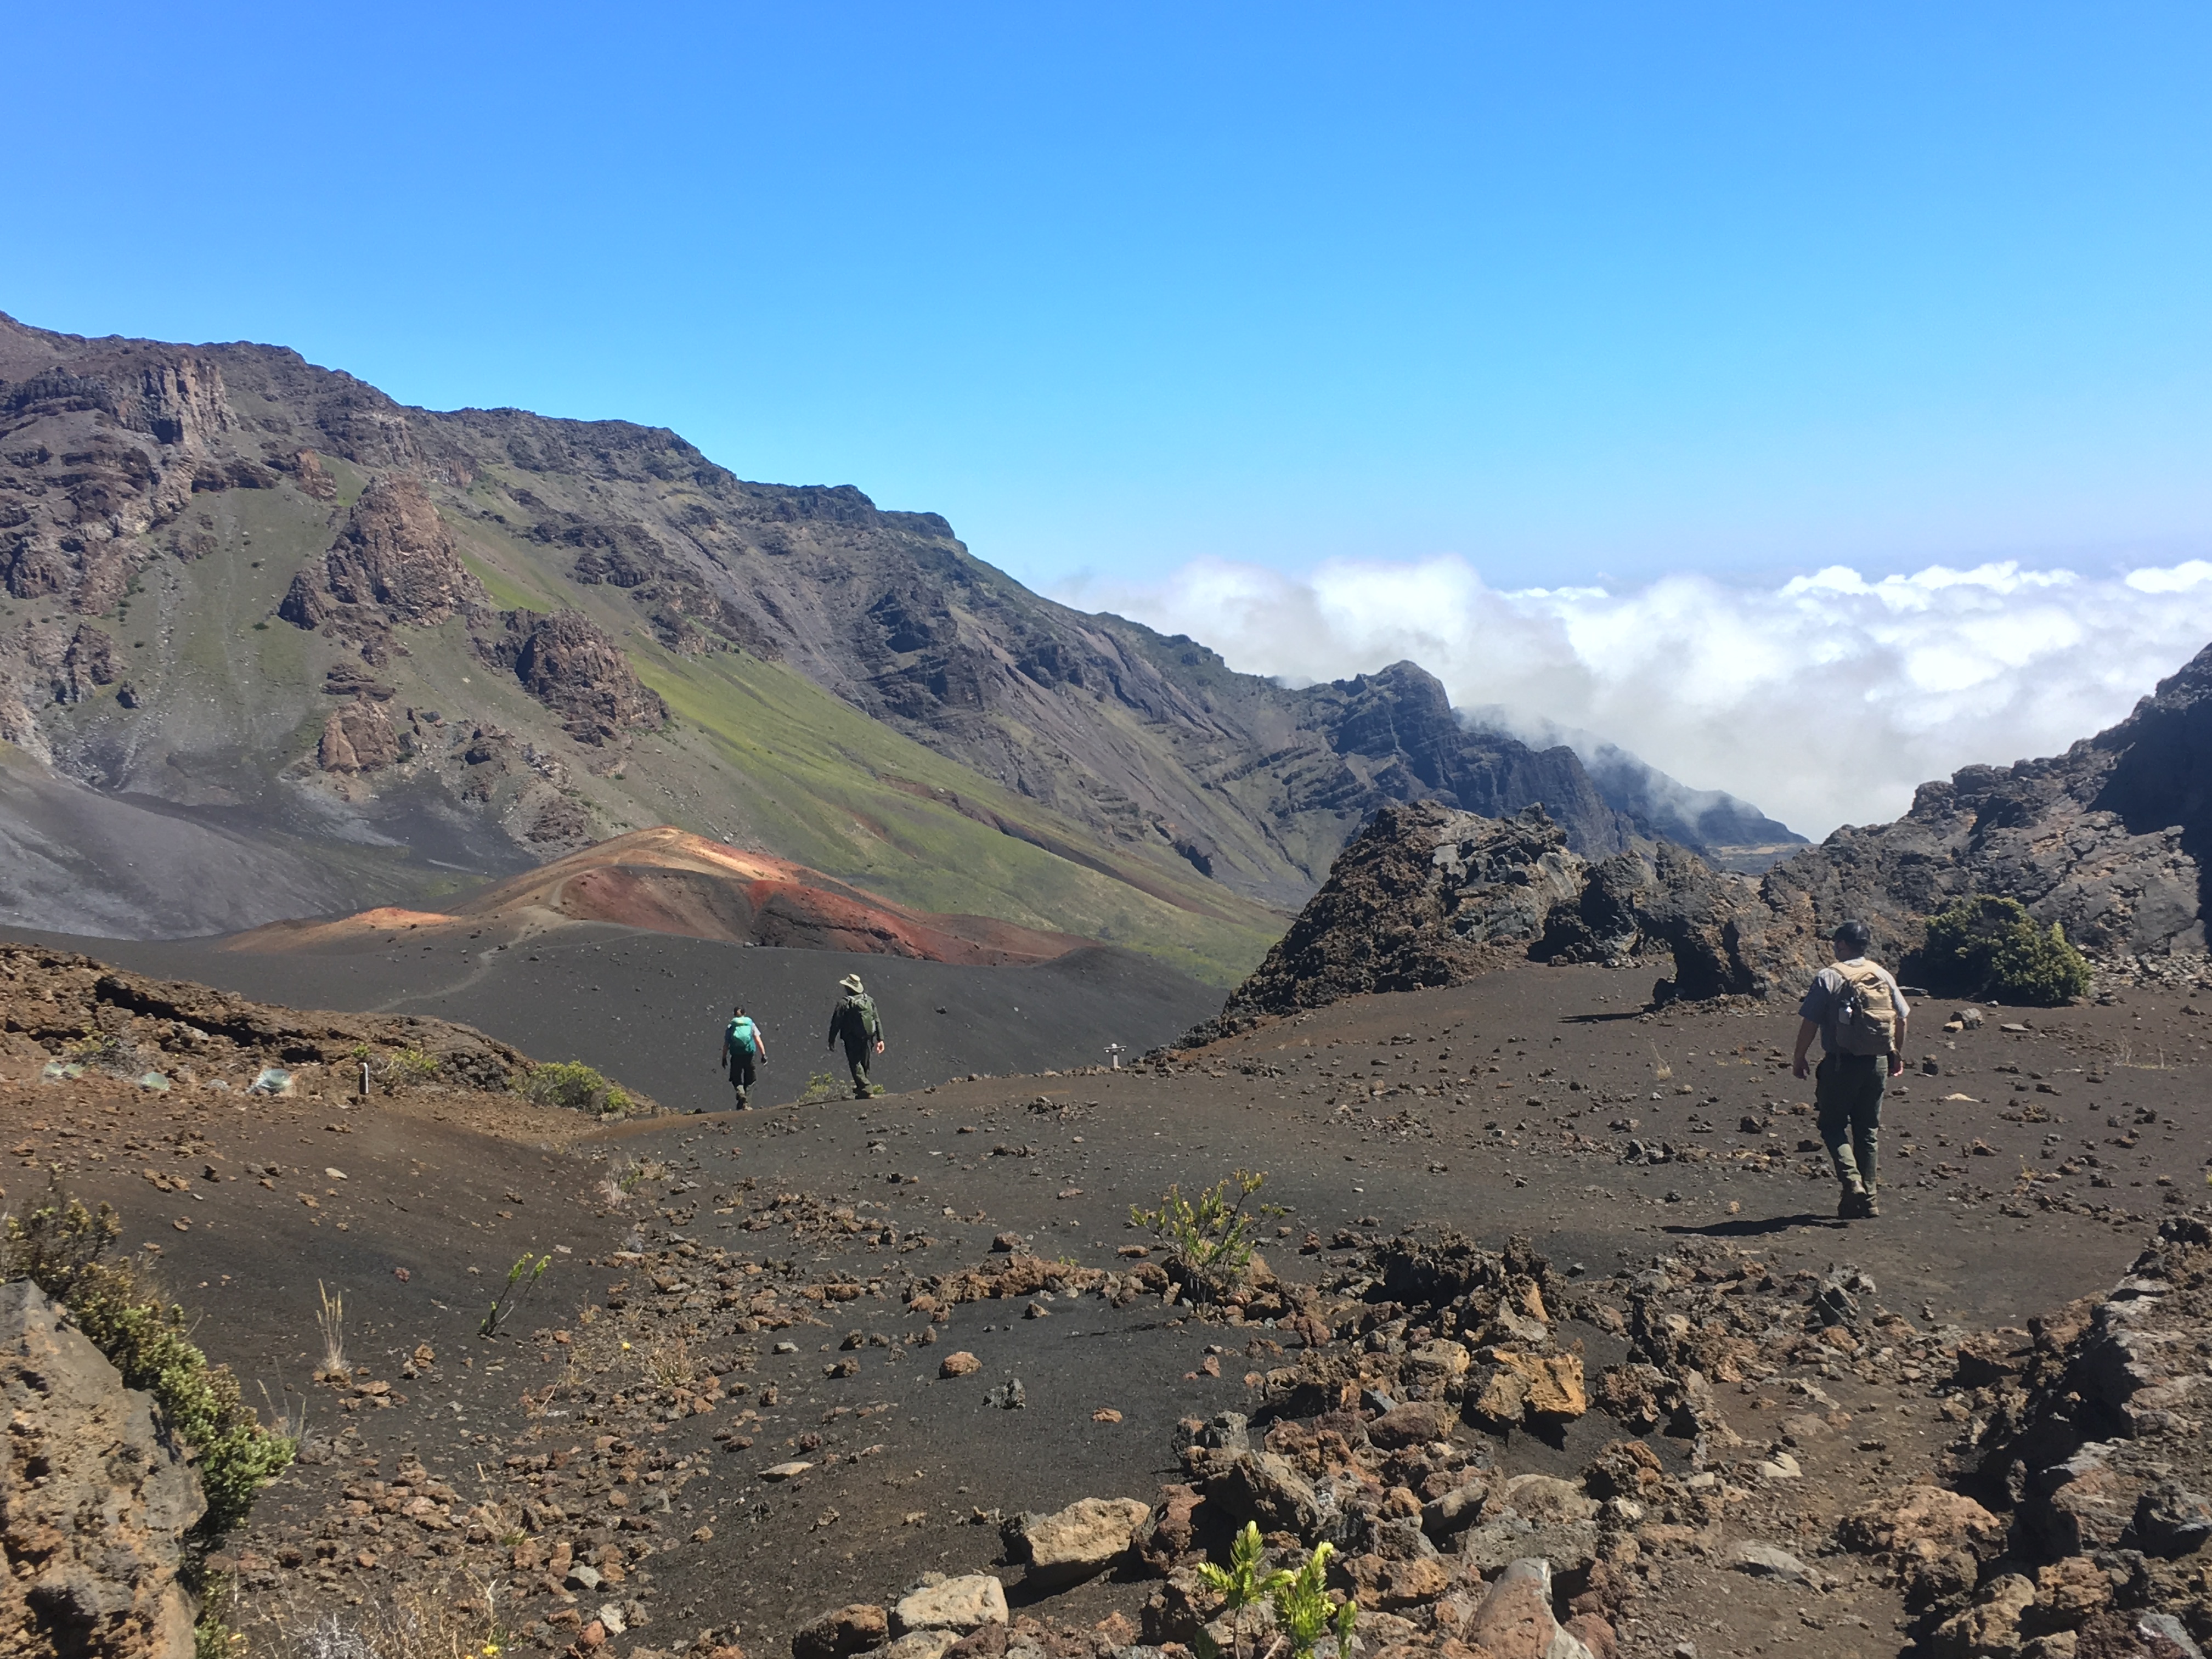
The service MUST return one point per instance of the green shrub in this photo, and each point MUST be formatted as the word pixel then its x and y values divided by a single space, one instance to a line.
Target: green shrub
pixel 60 1247
pixel 822 1085
pixel 572 1084
pixel 1991 947
pixel 405 1067
pixel 1210 1242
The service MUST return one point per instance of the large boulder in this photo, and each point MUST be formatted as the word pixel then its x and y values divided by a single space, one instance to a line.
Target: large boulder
pixel 1076 1543
pixel 95 1498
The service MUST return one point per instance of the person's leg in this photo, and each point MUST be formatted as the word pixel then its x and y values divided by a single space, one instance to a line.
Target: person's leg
pixel 1832 1098
pixel 858 1060
pixel 1866 1129
pixel 741 1079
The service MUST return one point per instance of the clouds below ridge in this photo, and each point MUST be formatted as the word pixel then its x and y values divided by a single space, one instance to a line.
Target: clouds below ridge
pixel 1823 700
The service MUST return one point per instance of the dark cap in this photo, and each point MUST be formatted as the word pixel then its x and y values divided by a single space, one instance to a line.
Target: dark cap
pixel 1854 936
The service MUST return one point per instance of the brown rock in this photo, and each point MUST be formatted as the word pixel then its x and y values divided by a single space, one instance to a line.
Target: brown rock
pixel 394 556
pixel 1075 1543
pixel 1594 1633
pixel 570 664
pixel 95 1497
pixel 1922 1521
pixel 847 1631
pixel 1413 1425
pixel 963 1364
pixel 1516 1621
pixel 1380 1582
pixel 1530 1384
pixel 358 738
pixel 1169 1536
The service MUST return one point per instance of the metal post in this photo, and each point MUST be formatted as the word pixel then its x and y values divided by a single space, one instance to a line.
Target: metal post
pixel 1113 1054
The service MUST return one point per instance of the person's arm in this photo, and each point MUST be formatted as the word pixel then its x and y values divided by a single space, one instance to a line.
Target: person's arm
pixel 1903 1027
pixel 760 1043
pixel 837 1018
pixel 1806 1030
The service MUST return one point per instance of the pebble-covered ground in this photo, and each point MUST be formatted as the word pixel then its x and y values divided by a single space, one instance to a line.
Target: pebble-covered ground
pixel 724 1410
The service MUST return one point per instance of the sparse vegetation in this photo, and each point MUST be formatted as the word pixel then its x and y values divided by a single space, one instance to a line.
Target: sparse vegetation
pixel 61 1247
pixel 407 1068
pixel 573 1085
pixel 1210 1242
pixel 1991 947
pixel 521 1280
pixel 1304 1612
pixel 822 1085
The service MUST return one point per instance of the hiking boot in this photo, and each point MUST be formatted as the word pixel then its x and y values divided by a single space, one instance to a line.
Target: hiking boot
pixel 1868 1209
pixel 1853 1206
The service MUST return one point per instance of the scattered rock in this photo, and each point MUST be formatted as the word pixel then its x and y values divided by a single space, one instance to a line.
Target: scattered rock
pixel 840 1634
pixel 957 1604
pixel 963 1364
pixel 1076 1543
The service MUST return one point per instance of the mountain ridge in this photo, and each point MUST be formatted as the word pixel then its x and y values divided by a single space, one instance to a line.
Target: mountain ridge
pixel 543 632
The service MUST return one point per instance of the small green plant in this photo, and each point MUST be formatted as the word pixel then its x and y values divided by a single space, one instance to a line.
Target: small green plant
pixel 103 1051
pixel 1986 947
pixel 822 1085
pixel 1240 1584
pixel 404 1068
pixel 1211 1242
pixel 61 1247
pixel 522 1279
pixel 1303 1613
pixel 572 1084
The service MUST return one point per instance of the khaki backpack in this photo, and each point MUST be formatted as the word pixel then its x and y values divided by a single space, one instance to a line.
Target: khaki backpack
pixel 1866 1012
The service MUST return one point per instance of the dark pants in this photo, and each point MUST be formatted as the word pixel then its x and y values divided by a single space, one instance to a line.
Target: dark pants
pixel 1847 1091
pixel 741 1075
pixel 857 1057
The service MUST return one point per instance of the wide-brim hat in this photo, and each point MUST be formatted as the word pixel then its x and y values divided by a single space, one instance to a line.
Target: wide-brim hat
pixel 851 982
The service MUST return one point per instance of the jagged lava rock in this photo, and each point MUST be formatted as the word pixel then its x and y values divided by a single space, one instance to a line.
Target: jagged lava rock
pixel 961 1604
pixel 95 1500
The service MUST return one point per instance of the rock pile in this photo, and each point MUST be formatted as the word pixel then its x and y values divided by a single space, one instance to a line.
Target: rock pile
pixel 2085 1453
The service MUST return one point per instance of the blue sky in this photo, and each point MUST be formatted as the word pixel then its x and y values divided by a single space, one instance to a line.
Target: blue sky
pixel 1567 291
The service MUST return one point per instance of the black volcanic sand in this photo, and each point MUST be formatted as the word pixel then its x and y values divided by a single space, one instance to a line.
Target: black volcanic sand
pixel 905 1463
pixel 648 1009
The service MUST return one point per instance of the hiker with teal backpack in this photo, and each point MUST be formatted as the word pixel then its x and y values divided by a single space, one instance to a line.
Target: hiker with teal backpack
pixel 742 1051
pixel 854 1020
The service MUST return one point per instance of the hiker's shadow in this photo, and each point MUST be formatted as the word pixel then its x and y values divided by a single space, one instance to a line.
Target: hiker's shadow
pixel 1758 1226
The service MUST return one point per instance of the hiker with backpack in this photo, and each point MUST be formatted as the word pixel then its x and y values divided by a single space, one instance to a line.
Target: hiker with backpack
pixel 743 1048
pixel 855 1021
pixel 1858 1010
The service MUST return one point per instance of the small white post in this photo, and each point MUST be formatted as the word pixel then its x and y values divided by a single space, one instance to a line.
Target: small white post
pixel 1113 1054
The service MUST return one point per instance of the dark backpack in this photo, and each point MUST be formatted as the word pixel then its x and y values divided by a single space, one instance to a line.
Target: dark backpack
pixel 861 1016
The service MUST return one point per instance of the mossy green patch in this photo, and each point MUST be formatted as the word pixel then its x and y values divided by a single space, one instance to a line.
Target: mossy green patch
pixel 825 785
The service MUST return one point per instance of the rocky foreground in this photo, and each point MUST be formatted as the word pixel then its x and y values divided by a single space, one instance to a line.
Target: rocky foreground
pixel 1556 1285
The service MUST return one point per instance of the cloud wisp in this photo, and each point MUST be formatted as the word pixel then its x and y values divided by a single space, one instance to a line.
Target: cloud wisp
pixel 1824 700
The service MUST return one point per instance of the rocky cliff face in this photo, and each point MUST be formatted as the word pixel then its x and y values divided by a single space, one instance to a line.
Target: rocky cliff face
pixel 569 664
pixel 95 1498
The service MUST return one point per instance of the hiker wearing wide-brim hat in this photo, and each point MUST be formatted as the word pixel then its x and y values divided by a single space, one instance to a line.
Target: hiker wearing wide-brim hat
pixel 856 1022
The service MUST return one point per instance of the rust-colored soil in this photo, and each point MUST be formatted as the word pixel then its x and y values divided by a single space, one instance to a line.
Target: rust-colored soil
pixel 670 881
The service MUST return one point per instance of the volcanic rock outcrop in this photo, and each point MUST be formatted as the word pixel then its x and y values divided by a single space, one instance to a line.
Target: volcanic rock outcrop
pixel 394 561
pixel 95 1498
pixel 568 663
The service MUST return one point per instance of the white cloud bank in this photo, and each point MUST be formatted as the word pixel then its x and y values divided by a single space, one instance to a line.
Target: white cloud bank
pixel 1822 702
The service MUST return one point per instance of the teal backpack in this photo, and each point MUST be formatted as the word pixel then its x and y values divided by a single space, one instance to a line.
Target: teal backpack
pixel 739 1039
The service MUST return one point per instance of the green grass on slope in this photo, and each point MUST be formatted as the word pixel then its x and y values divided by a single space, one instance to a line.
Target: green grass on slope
pixel 821 782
